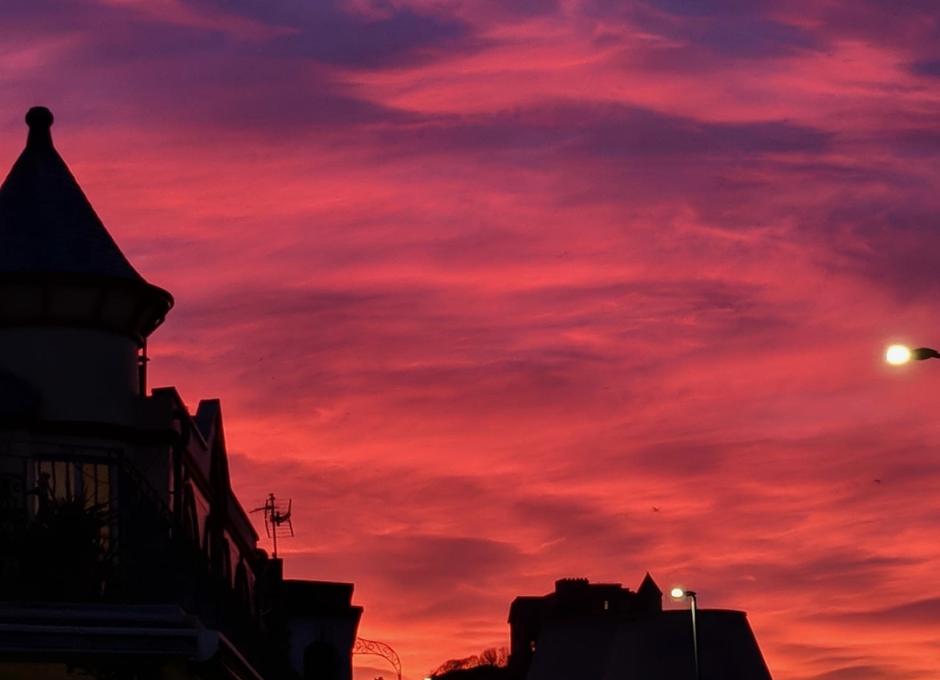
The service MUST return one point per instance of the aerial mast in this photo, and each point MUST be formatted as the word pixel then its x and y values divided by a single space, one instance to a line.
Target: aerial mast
pixel 277 520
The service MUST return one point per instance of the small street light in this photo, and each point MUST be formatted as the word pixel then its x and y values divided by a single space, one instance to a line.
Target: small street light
pixel 897 355
pixel 681 594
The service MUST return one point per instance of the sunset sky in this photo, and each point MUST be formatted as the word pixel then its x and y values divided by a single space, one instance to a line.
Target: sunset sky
pixel 481 282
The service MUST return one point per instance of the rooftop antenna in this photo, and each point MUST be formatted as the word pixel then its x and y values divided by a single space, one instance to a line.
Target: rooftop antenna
pixel 277 520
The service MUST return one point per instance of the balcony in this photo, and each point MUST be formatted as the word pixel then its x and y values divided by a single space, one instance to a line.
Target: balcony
pixel 108 562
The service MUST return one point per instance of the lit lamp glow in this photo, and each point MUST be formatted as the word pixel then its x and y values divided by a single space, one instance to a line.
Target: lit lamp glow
pixel 898 354
pixel 677 593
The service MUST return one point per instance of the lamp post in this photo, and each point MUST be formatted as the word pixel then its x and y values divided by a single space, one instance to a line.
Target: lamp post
pixel 897 355
pixel 681 594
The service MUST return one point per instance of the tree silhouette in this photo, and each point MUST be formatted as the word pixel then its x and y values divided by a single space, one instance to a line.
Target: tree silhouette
pixel 490 663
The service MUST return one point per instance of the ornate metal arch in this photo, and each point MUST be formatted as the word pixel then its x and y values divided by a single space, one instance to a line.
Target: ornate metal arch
pixel 376 648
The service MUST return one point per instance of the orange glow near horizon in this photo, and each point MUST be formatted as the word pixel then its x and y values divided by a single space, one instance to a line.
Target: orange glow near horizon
pixel 501 293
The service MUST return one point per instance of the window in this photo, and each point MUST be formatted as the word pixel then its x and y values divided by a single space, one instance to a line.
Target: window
pixel 71 480
pixel 606 605
pixel 67 480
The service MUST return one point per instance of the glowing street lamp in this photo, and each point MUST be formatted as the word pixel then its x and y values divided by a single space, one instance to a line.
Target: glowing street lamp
pixel 681 594
pixel 897 355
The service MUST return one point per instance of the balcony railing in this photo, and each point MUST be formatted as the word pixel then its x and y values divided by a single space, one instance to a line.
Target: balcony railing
pixel 130 551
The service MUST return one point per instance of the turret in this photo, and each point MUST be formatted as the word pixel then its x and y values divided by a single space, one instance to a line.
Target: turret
pixel 74 314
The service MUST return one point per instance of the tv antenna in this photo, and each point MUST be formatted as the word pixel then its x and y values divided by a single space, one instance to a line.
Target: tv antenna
pixel 277 520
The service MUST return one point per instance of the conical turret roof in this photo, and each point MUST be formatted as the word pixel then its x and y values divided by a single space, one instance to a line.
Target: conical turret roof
pixel 47 225
pixel 58 263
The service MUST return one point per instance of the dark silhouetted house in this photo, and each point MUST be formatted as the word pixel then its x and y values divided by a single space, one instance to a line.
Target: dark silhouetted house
pixel 125 552
pixel 601 631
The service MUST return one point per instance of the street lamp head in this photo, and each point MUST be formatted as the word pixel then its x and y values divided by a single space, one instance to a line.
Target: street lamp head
pixel 679 593
pixel 896 355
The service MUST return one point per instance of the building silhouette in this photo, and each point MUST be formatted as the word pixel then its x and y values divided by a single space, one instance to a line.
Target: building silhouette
pixel 603 631
pixel 125 553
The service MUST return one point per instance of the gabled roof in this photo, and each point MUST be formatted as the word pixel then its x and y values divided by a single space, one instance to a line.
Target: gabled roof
pixel 47 225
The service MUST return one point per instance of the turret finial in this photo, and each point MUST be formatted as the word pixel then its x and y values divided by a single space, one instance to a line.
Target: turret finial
pixel 39 119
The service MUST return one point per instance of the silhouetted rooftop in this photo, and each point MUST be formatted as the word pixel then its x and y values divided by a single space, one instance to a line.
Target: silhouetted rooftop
pixel 649 586
pixel 47 225
pixel 658 647
pixel 303 597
